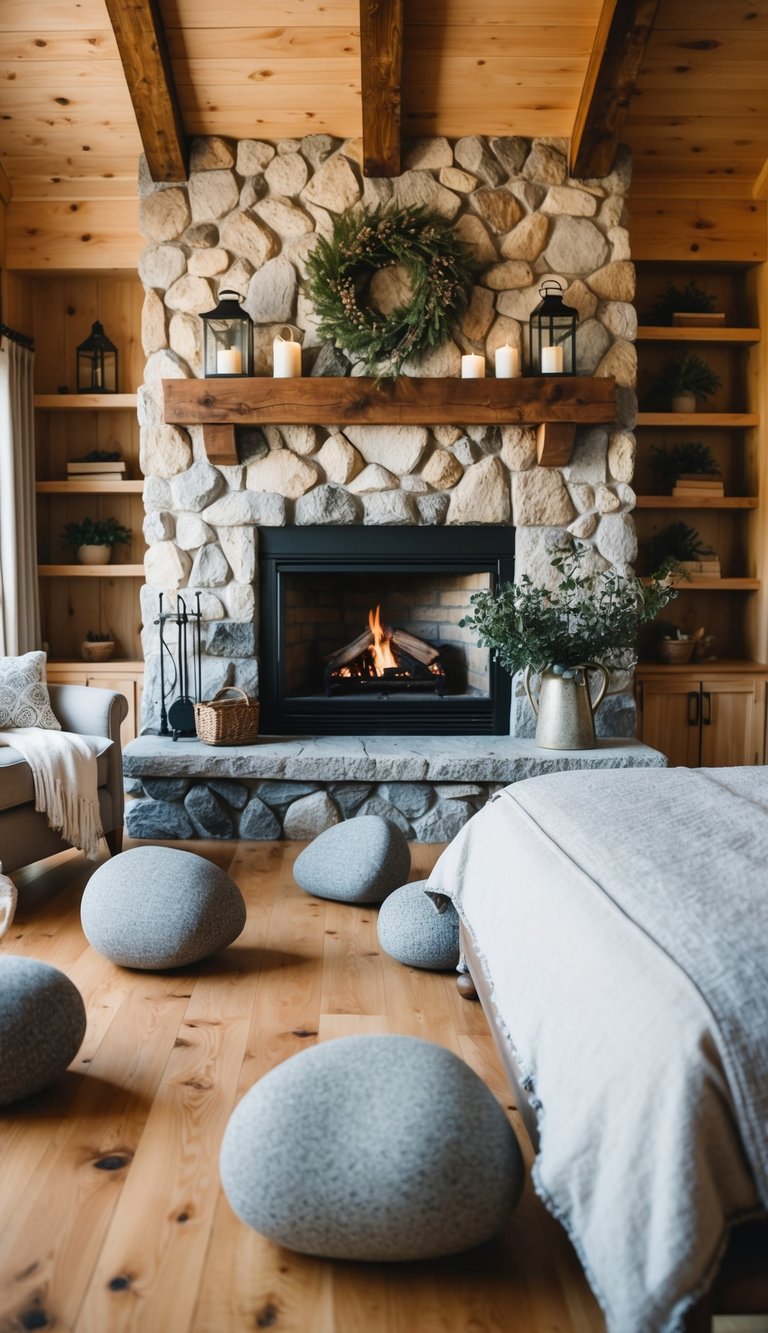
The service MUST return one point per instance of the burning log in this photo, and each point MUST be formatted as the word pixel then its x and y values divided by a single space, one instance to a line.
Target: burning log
pixel 415 647
pixel 350 651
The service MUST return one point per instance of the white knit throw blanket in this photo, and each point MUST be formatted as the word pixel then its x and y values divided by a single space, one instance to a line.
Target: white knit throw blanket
pixel 65 771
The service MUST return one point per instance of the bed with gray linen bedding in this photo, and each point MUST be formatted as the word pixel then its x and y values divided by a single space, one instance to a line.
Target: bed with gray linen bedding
pixel 622 920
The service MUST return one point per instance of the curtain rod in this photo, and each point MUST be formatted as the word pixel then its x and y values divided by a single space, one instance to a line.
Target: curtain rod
pixel 22 339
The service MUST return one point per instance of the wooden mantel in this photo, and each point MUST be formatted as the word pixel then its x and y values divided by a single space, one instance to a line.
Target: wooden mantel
pixel 556 404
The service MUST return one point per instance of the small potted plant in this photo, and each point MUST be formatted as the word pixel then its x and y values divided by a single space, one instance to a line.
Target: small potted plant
pixel 589 621
pixel 689 306
pixel 687 382
pixel 679 547
pixel 91 540
pixel 691 459
pixel 97 647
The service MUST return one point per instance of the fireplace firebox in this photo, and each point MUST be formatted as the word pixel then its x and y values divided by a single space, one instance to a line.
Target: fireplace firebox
pixel 360 632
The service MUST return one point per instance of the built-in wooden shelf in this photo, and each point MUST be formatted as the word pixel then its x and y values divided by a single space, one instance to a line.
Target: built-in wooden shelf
pixel 698 419
pixel 78 402
pixel 556 404
pixel 715 585
pixel 90 487
pixel 91 571
pixel 116 664
pixel 706 502
pixel 661 333
pixel 720 666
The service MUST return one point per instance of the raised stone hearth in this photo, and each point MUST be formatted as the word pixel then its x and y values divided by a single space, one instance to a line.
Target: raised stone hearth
pixel 296 787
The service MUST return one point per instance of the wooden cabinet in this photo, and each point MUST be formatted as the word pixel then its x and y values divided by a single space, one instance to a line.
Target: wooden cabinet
pixel 707 717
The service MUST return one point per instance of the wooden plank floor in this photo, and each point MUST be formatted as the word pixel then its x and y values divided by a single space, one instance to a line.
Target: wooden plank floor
pixel 112 1219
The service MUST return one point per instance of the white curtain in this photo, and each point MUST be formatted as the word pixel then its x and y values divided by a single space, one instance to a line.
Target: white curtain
pixel 19 602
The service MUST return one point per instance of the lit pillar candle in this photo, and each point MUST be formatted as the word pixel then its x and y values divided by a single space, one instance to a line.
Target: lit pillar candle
pixel 551 360
pixel 507 362
pixel 286 358
pixel 229 361
pixel 472 367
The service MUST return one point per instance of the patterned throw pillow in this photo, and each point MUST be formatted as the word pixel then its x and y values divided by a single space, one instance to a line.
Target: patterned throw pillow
pixel 24 700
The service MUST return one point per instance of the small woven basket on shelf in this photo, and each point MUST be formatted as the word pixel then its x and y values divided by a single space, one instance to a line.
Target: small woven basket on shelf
pixel 221 721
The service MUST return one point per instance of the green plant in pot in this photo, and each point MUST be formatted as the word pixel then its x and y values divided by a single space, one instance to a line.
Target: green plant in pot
pixel 689 459
pixel 690 299
pixel 687 382
pixel 588 622
pixel 675 546
pixel 91 540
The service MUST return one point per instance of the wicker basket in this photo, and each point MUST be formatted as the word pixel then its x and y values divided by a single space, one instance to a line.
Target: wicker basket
pixel 227 721
pixel 100 650
pixel 676 651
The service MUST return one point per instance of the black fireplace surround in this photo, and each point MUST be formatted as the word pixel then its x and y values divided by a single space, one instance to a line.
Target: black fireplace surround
pixel 316 584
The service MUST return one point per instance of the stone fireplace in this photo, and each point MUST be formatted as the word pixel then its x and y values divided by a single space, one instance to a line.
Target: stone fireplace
pixel 248 218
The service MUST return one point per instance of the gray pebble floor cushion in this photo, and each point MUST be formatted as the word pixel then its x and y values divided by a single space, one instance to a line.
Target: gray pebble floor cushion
pixel 157 907
pixel 42 1025
pixel 360 861
pixel 372 1148
pixel 415 932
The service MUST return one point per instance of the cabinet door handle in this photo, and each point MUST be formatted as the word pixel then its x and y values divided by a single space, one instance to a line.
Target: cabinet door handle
pixel 693 708
pixel 707 709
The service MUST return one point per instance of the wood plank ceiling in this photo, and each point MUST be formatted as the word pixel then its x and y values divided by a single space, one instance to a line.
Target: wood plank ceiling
pixel 69 141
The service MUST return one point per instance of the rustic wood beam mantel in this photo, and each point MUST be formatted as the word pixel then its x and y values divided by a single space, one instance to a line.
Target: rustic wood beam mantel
pixel 556 404
pixel 146 63
pixel 381 60
pixel 619 46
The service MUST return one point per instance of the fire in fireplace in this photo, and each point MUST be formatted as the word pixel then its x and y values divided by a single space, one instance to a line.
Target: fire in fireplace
pixel 384 659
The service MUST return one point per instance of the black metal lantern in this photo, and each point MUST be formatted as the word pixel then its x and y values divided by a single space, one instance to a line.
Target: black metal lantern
pixel 227 339
pixel 97 363
pixel 552 331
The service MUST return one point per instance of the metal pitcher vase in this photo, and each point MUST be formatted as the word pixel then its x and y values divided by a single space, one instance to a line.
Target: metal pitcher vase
pixel 564 710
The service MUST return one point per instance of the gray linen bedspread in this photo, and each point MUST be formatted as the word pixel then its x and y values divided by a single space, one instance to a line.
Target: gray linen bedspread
pixel 623 920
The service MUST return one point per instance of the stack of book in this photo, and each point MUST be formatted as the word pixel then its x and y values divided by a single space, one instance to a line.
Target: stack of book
pixel 706 568
pixel 96 472
pixel 698 486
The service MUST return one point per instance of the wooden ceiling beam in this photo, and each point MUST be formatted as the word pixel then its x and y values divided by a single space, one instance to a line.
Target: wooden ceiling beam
pixel 619 46
pixel 381 61
pixel 143 51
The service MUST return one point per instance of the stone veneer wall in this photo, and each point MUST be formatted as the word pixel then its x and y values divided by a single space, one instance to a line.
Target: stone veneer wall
pixel 248 218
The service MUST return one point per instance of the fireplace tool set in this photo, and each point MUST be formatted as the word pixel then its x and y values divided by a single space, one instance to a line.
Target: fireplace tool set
pixel 179 718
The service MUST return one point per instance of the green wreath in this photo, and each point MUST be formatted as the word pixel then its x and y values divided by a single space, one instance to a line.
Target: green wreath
pixel 439 267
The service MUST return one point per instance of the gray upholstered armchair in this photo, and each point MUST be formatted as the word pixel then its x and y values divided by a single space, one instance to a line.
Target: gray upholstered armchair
pixel 24 834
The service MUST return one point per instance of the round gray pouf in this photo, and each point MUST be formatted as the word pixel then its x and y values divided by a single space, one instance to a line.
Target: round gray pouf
pixel 42 1023
pixel 359 861
pixel 374 1148
pixel 415 932
pixel 156 907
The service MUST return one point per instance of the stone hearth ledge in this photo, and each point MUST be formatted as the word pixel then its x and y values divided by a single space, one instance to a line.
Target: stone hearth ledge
pixel 498 759
pixel 295 787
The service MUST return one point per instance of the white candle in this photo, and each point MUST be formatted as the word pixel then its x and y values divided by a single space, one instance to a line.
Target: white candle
pixel 229 361
pixel 507 362
pixel 473 367
pixel 551 360
pixel 286 358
